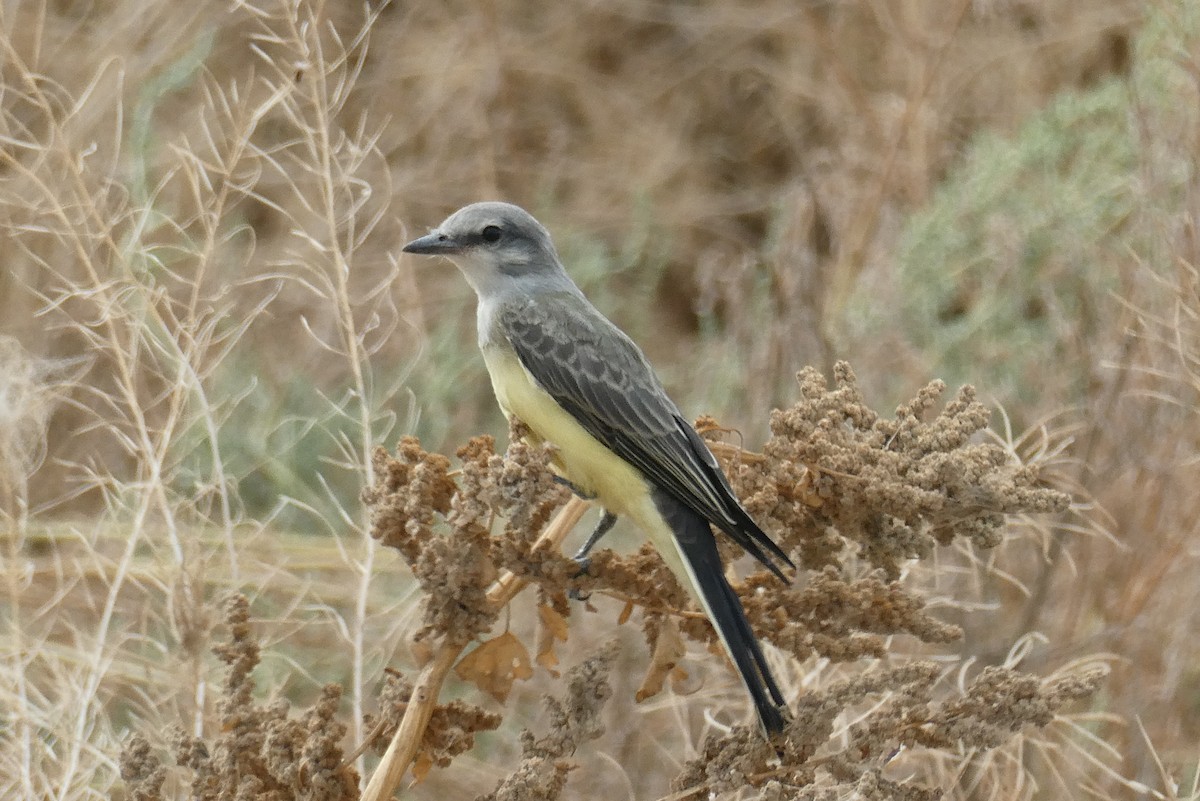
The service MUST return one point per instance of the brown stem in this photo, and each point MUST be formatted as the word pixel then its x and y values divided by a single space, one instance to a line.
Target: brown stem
pixel 407 740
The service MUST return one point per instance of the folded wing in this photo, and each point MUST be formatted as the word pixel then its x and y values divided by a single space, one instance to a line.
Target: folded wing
pixel 600 377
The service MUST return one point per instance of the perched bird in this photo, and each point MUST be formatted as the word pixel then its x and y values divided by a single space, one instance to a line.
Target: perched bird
pixel 579 383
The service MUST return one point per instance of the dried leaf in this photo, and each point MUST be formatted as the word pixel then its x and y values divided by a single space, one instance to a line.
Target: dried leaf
pixel 668 650
pixel 554 627
pixel 806 490
pixel 495 665
pixel 681 683
pixel 421 766
pixel 546 656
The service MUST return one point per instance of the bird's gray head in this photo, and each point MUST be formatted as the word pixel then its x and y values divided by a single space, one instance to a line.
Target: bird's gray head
pixel 498 246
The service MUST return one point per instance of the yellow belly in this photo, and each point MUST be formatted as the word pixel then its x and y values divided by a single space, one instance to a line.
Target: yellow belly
pixel 584 460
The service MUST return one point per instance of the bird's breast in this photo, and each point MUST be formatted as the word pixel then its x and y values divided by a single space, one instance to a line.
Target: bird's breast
pixel 585 461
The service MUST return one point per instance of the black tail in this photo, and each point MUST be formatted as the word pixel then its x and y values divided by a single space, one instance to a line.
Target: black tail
pixel 698 548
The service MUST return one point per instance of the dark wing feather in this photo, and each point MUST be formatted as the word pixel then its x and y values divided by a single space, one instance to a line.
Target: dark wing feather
pixel 600 377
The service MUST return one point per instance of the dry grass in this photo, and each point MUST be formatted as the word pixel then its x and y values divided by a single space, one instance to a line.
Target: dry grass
pixel 205 330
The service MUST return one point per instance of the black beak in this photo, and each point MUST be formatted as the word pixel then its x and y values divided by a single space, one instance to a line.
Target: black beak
pixel 434 244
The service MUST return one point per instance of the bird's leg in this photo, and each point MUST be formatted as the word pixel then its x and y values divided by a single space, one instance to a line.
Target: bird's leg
pixel 603 527
pixel 581 557
pixel 575 488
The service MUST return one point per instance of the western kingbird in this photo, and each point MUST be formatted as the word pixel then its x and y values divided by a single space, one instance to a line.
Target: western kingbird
pixel 579 383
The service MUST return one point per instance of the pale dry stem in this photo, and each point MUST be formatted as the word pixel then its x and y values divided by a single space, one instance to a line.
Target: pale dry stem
pixel 407 740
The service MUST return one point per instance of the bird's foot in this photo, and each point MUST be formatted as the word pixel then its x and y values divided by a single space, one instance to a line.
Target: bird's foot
pixel 584 563
pixel 607 521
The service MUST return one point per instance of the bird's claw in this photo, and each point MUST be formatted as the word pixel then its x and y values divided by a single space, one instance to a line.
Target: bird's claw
pixel 584 563
pixel 583 560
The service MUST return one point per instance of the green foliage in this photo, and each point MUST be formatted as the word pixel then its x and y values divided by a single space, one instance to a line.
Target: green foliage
pixel 281 446
pixel 1002 274
pixel 1007 279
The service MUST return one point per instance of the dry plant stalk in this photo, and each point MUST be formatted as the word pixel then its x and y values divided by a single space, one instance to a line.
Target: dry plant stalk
pixel 849 493
pixel 412 730
pixel 852 494
pixel 125 240
pixel 261 752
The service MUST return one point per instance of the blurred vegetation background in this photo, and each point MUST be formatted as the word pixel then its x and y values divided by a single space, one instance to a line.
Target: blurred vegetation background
pixel 206 323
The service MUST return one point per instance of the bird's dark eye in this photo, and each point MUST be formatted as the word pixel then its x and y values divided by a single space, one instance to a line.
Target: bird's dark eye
pixel 491 233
